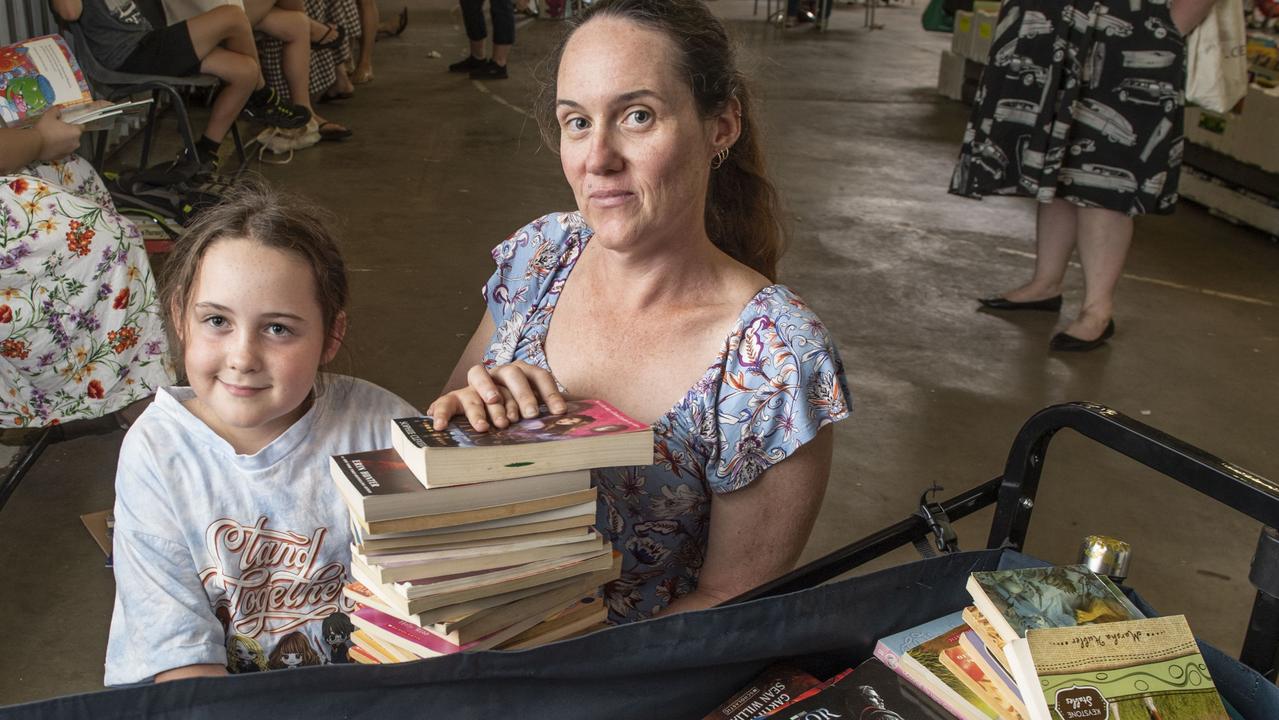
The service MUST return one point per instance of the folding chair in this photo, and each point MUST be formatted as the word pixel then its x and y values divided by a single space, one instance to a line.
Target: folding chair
pixel 114 85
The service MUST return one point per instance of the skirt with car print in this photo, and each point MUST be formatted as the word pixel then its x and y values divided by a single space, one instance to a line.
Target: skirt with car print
pixel 1081 100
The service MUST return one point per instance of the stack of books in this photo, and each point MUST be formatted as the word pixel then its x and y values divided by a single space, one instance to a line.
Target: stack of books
pixel 470 541
pixel 1054 643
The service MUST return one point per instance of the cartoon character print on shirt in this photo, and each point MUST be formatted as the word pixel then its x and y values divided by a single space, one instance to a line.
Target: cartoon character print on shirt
pixel 337 635
pixel 268 585
pixel 294 651
pixel 244 655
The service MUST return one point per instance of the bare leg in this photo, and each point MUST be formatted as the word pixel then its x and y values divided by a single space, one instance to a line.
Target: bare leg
pixel 368 35
pixel 226 26
pixel 1055 241
pixel 241 74
pixel 293 28
pixel 257 10
pixel 501 53
pixel 477 49
pixel 1104 238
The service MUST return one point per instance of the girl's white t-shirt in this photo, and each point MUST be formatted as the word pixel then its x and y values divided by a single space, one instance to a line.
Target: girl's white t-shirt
pixel 236 559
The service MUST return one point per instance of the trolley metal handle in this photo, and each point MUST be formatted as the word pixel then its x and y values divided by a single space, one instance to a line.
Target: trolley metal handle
pixel 1244 491
pixel 1014 496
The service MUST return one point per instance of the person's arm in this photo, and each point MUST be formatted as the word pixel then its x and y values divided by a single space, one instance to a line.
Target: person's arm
pixel 68 10
pixel 757 533
pixel 48 139
pixel 191 671
pixel 500 395
pixel 1187 14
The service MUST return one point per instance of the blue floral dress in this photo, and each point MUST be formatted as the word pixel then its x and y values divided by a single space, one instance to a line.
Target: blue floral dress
pixel 777 381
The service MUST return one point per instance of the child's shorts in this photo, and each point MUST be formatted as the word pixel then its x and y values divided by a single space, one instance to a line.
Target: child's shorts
pixel 167 51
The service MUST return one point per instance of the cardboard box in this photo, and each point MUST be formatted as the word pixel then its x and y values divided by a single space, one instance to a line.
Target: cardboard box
pixel 1256 140
pixel 1243 208
pixel 950 77
pixel 961 39
pixel 983 35
pixel 1251 136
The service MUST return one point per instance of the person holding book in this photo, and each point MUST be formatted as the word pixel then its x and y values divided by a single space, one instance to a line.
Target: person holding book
pixel 218 42
pixel 70 355
pixel 231 542
pixel 664 279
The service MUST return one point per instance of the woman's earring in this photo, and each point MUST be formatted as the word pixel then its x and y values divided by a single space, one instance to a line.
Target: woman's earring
pixel 719 159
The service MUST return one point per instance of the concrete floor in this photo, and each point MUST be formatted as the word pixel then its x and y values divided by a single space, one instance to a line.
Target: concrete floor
pixel 441 169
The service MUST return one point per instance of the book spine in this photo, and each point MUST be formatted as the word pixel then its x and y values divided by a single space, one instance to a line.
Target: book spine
pixel 410 429
pixel 407 632
pixel 887 656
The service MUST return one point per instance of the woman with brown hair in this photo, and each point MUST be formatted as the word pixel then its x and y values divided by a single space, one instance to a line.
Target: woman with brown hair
pixel 664 304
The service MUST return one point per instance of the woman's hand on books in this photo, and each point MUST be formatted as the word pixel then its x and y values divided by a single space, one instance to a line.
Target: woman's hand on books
pixel 57 139
pixel 499 396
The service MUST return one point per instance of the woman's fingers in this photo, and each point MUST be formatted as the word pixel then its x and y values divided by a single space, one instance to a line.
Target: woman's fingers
pixel 465 401
pixel 493 395
pixel 476 409
pixel 549 390
pixel 515 378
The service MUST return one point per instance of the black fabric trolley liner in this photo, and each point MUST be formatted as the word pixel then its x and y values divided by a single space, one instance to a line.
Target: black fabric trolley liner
pixel 683 666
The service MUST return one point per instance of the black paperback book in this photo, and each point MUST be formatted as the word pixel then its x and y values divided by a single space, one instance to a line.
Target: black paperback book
pixel 871 692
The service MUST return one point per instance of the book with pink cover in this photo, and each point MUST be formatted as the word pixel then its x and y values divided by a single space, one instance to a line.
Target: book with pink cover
pixel 589 434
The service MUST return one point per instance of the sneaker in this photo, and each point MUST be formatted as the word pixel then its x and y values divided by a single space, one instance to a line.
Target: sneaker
pixel 470 64
pixel 275 113
pixel 490 71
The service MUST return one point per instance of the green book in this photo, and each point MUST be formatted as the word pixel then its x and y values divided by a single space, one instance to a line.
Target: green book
pixel 1129 669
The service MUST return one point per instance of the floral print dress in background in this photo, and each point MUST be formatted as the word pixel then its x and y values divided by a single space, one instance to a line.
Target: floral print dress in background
pixel 777 381
pixel 80 331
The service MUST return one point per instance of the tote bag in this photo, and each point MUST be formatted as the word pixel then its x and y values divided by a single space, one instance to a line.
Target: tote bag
pixel 1217 62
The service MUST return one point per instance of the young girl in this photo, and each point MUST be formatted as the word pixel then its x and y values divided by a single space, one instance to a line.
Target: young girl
pixel 227 524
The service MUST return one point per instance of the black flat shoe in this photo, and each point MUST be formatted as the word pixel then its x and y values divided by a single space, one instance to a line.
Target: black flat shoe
pixel 1062 342
pixel 1052 304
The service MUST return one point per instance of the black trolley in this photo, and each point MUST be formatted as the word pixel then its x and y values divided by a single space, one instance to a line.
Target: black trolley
pixel 684 665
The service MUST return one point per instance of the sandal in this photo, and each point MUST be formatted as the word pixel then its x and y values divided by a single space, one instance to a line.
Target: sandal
pixel 339 35
pixel 334 97
pixel 400 23
pixel 333 132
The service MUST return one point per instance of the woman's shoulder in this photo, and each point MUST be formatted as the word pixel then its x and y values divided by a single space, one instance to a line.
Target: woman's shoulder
pixel 555 233
pixel 778 306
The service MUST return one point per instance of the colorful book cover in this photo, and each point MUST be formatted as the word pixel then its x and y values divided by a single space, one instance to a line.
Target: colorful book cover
pixel 37 74
pixel 774 687
pixel 928 655
pixel 377 473
pixel 1048 597
pixel 890 649
pixel 1128 669
pixel 583 418
pixel 962 666
pixel 972 644
pixel 871 692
